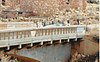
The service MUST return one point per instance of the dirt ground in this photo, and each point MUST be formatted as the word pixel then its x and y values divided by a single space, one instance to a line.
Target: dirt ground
pixel 88 48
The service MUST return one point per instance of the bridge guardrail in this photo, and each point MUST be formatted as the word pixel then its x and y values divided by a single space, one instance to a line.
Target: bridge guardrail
pixel 33 35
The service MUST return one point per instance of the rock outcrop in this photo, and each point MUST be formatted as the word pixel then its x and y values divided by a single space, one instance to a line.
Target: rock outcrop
pixel 43 8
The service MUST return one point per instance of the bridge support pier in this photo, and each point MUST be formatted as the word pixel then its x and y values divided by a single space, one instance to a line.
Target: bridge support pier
pixel 68 40
pixel 75 39
pixel 31 44
pixel 42 43
pixel 51 42
pixel 20 46
pixel 8 48
pixel 60 41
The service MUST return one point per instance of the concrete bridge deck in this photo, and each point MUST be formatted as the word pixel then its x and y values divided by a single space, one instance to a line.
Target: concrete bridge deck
pixel 19 36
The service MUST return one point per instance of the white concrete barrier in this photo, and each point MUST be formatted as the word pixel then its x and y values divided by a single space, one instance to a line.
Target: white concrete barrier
pixel 11 37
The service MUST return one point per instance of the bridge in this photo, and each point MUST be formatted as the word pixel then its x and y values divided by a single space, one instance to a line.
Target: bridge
pixel 30 35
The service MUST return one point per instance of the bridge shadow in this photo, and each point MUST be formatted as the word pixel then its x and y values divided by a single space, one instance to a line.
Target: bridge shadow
pixel 22 58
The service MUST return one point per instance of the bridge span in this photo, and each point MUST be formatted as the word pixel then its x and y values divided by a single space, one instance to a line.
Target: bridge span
pixel 20 36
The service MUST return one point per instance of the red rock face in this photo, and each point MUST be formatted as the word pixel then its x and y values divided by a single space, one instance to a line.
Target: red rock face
pixel 78 4
pixel 0 1
pixel 42 7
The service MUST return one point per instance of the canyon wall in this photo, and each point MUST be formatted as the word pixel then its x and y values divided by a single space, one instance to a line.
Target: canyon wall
pixel 39 7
